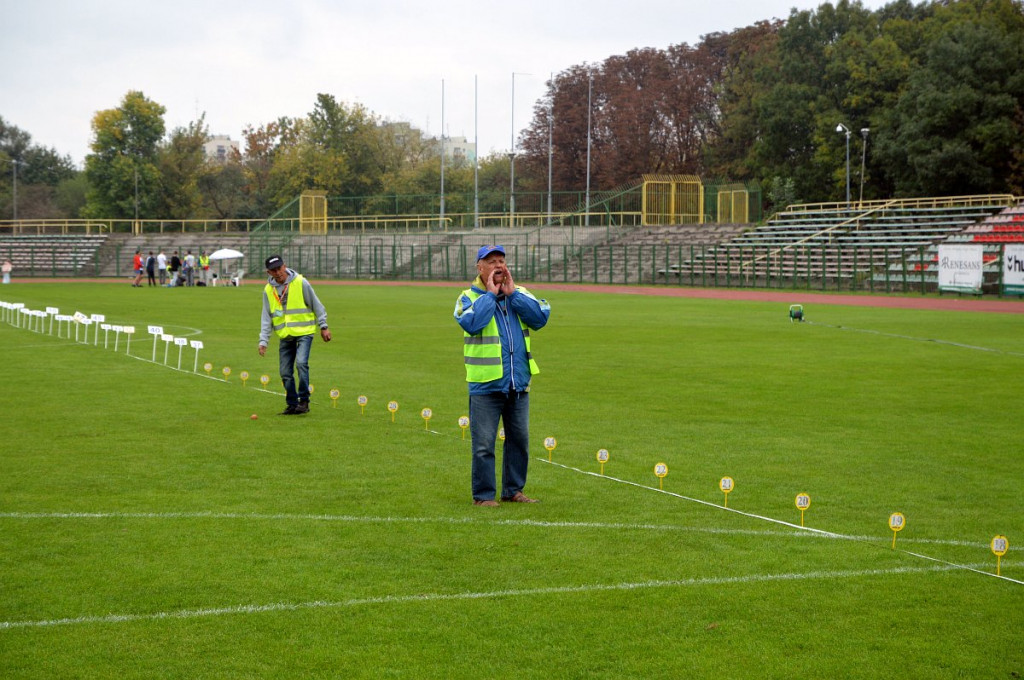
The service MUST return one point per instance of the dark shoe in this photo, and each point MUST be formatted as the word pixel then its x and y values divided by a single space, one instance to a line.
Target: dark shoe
pixel 518 497
pixel 290 411
pixel 303 407
pixel 487 504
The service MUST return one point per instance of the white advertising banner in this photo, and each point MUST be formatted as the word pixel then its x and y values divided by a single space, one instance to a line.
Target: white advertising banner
pixel 960 268
pixel 1013 269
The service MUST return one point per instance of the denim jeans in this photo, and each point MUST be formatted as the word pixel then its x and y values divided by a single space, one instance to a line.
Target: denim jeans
pixel 294 354
pixel 514 411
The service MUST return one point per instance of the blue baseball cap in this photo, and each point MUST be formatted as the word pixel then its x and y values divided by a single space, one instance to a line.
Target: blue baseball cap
pixel 487 250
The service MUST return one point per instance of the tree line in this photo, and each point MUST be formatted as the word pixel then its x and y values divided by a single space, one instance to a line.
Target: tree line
pixel 931 94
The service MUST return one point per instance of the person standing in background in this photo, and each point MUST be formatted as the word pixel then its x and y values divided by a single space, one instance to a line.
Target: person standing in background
pixel 204 263
pixel 137 268
pixel 161 266
pixel 189 268
pixel 175 267
pixel 151 269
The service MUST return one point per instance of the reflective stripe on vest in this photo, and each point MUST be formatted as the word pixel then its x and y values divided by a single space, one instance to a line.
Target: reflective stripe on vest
pixel 296 318
pixel 482 352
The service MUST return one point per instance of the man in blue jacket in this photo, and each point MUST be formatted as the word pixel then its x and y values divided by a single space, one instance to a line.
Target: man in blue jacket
pixel 497 316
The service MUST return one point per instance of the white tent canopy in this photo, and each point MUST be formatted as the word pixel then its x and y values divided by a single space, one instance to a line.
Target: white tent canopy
pixel 225 254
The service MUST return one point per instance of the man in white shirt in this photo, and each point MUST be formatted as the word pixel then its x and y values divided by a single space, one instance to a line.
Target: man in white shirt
pixel 189 268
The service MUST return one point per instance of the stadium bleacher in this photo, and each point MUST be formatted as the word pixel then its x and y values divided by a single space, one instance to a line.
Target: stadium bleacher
pixel 877 239
pixel 51 254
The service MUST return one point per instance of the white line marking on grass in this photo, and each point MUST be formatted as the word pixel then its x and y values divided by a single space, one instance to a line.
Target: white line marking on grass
pixel 910 337
pixel 485 595
pixel 466 520
pixel 63 344
pixel 828 534
pixel 395 520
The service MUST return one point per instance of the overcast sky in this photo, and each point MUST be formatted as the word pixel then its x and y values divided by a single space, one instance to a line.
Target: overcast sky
pixel 250 62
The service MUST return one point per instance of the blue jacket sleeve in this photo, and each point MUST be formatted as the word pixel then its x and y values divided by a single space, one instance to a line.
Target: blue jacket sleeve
pixel 533 312
pixel 474 316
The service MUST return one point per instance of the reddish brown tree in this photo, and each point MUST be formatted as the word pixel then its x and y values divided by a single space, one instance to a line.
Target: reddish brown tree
pixel 651 111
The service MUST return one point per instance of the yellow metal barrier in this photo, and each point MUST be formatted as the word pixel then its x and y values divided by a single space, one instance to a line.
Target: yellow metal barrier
pixel 672 199
pixel 313 212
pixel 733 204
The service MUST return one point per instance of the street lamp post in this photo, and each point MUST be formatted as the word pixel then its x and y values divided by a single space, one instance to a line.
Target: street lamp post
pixel 863 160
pixel 843 129
pixel 14 188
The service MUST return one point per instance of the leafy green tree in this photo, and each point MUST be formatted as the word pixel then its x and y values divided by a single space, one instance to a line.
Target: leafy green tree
pixel 955 128
pixel 125 151
pixel 40 170
pixel 14 142
pixel 751 62
pixel 69 195
pixel 262 146
pixel 181 162
pixel 223 187
pixel 337 149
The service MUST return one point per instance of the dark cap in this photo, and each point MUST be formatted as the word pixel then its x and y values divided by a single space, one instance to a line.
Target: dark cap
pixel 273 262
pixel 487 250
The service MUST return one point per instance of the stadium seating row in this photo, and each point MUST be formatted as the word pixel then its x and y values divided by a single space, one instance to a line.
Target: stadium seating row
pixel 51 253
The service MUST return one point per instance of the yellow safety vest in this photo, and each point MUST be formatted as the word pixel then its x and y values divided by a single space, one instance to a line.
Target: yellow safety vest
pixel 296 318
pixel 482 352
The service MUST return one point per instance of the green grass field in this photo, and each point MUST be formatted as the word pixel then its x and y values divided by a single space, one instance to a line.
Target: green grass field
pixel 150 529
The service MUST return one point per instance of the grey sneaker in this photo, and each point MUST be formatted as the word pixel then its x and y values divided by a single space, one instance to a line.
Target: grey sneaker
pixel 303 407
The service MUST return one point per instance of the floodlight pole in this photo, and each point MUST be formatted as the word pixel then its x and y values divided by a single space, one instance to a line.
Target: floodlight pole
pixel 863 160
pixel 440 224
pixel 843 129
pixel 512 157
pixel 476 157
pixel 551 148
pixel 590 89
